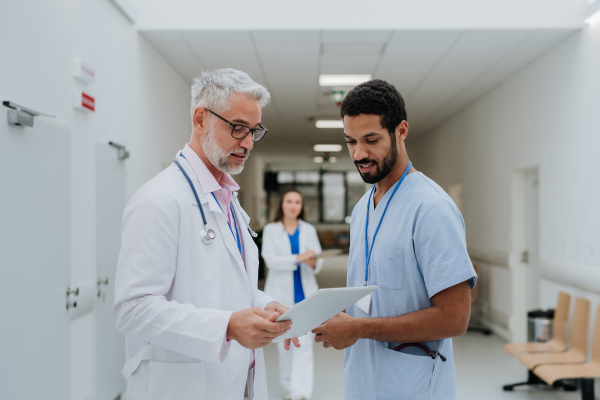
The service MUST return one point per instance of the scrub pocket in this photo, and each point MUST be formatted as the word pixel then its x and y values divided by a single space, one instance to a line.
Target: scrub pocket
pixel 405 377
pixel 181 381
pixel 389 267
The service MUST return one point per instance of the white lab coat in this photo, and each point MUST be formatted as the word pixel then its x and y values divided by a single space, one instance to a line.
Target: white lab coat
pixel 277 253
pixel 174 295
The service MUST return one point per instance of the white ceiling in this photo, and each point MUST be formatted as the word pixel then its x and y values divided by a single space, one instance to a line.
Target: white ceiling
pixel 437 72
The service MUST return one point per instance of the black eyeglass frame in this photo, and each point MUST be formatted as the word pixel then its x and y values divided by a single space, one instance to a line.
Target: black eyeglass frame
pixel 250 130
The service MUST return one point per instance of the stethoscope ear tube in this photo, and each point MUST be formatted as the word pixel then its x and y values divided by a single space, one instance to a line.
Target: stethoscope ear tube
pixel 207 235
pixel 432 354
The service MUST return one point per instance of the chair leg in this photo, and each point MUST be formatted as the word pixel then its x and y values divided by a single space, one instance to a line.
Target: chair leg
pixel 532 379
pixel 567 385
pixel 587 389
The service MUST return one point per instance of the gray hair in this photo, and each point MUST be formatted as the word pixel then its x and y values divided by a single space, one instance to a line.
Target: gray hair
pixel 212 90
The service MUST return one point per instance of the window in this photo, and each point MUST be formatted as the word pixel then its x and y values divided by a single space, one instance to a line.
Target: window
pixel 329 196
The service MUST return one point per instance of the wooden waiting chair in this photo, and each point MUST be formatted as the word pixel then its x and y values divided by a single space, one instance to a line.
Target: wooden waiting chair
pixel 576 354
pixel 584 372
pixel 579 341
pixel 560 332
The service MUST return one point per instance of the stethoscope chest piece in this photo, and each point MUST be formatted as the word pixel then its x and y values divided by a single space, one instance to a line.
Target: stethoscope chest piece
pixel 208 236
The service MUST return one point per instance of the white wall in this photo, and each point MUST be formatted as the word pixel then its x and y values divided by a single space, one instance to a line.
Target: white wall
pixel 545 116
pixel 141 102
pixel 357 14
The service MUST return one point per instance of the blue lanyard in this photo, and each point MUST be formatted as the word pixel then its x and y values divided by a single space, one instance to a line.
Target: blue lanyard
pixel 367 251
pixel 237 237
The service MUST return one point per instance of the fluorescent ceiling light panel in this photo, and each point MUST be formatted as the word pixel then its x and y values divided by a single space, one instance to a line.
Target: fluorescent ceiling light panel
pixel 343 79
pixel 328 147
pixel 330 124
pixel 318 160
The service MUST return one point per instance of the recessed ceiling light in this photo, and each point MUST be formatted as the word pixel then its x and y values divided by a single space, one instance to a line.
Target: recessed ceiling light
pixel 332 159
pixel 323 123
pixel 318 160
pixel 343 79
pixel 328 147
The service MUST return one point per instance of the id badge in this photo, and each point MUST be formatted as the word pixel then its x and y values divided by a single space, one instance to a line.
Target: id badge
pixel 365 303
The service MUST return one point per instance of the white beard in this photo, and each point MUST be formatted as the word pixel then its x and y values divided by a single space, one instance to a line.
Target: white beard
pixel 220 158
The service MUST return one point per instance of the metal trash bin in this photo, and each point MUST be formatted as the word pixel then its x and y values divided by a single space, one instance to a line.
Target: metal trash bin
pixel 539 325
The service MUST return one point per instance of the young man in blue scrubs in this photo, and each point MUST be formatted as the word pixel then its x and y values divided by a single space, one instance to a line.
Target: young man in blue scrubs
pixel 408 239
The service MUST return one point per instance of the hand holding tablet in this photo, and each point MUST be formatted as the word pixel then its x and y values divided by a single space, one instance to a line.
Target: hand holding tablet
pixel 319 307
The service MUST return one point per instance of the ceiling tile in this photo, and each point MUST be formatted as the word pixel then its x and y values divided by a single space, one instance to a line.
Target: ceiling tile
pixel 238 37
pixel 344 64
pixel 289 37
pixel 356 36
pixel 284 49
pixel 223 49
pixel 353 49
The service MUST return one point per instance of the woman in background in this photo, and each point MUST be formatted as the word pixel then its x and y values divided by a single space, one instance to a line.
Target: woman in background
pixel 289 248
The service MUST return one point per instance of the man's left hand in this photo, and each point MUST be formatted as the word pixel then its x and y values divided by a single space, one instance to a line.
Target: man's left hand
pixel 339 332
pixel 274 307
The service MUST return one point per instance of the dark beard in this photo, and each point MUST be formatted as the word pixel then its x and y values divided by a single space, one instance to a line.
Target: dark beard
pixel 383 170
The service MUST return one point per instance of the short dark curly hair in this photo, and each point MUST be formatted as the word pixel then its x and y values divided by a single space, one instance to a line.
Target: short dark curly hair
pixel 376 97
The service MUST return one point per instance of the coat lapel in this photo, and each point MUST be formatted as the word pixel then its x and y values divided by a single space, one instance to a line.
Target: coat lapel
pixel 250 249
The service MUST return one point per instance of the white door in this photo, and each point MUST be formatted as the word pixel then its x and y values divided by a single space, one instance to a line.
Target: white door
pixel 110 203
pixel 525 254
pixel 530 254
pixel 35 246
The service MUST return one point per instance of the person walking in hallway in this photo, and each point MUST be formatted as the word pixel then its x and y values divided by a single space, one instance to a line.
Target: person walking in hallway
pixel 408 239
pixel 186 295
pixel 289 248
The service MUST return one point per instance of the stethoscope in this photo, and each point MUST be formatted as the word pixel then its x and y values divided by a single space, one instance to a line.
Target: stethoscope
pixel 208 235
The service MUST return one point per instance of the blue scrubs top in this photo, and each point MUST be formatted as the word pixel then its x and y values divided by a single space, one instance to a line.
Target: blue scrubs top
pixel 419 251
pixel 295 243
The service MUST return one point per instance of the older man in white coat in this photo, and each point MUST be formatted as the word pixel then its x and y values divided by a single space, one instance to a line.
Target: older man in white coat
pixel 186 288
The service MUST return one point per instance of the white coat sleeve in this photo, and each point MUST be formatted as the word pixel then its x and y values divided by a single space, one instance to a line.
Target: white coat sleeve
pixel 269 252
pixel 145 272
pixel 264 299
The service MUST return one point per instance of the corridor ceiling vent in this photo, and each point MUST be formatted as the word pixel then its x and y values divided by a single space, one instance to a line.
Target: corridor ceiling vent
pixel 329 124
pixel 592 12
pixel 328 148
pixel 343 79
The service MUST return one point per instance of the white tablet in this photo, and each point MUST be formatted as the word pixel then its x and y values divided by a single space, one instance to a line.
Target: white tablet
pixel 319 307
pixel 329 253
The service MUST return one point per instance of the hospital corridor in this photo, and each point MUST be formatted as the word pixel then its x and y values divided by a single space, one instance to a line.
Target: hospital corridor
pixel 318 200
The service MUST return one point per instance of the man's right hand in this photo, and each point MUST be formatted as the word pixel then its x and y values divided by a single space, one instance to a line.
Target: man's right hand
pixel 254 327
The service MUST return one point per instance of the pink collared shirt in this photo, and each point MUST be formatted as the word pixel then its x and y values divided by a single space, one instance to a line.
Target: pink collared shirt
pixel 223 192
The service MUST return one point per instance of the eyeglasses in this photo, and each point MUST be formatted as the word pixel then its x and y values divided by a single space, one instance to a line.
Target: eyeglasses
pixel 241 131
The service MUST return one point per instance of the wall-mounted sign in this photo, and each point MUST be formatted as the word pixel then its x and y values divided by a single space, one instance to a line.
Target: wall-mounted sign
pixel 338 96
pixel 83 101
pixel 83 71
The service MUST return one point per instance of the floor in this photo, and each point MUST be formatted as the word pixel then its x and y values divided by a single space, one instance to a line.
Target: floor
pixel 482 366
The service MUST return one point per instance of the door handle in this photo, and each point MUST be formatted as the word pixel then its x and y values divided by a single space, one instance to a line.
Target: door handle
pixel 102 282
